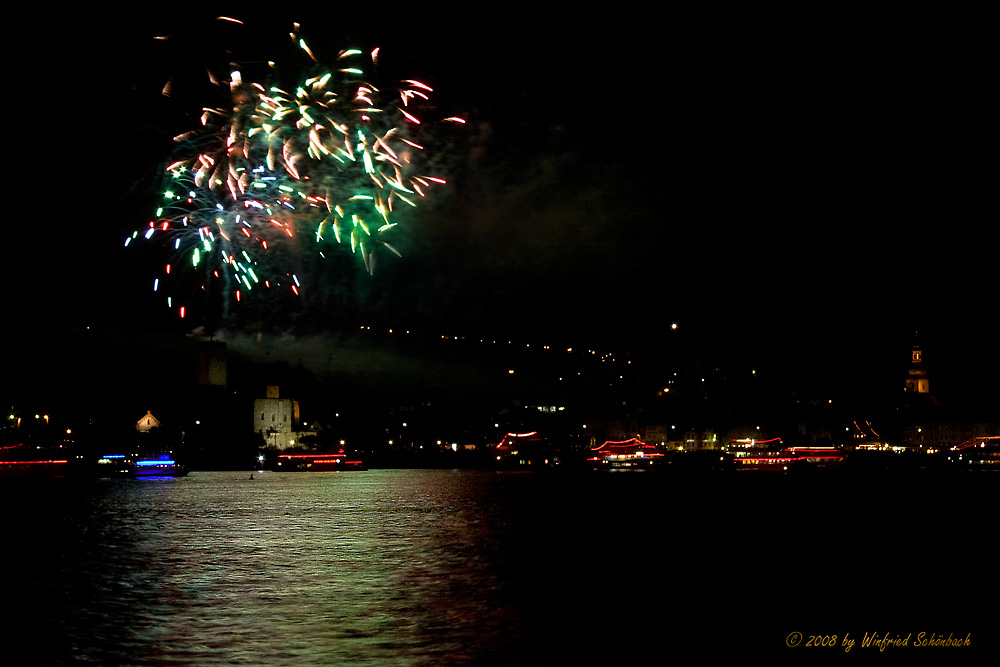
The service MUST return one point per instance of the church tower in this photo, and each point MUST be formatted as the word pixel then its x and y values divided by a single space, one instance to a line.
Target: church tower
pixel 917 380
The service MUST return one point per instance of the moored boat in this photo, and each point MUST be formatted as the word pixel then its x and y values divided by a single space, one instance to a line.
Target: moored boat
pixel 34 468
pixel 327 462
pixel 790 457
pixel 631 454
pixel 161 464
pixel 157 464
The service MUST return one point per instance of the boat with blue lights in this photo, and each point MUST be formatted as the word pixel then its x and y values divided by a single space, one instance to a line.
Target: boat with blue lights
pixel 158 464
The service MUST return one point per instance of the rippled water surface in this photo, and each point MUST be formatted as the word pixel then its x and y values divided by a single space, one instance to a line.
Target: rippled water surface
pixel 426 567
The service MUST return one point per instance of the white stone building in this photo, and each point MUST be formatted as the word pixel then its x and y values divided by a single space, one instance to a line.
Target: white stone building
pixel 276 419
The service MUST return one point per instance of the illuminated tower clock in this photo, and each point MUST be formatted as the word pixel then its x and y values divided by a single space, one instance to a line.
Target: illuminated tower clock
pixel 917 380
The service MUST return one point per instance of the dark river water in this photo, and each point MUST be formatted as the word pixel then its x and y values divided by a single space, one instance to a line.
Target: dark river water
pixel 458 567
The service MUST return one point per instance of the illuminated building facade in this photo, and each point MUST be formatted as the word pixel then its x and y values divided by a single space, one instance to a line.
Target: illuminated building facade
pixel 917 380
pixel 147 422
pixel 276 419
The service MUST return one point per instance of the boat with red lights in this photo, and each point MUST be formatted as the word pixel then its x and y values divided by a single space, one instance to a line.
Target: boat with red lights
pixel 631 454
pixel 22 461
pixel 325 462
pixel 525 450
pixel 979 453
pixel 790 458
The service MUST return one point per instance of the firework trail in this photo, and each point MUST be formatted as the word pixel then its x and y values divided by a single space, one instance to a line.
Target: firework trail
pixel 332 159
pixel 228 240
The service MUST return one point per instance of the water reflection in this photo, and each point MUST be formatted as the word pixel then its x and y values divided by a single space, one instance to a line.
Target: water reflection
pixel 385 567
pixel 393 567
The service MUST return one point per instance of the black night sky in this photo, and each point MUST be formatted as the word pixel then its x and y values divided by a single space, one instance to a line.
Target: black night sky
pixel 752 217
pixel 793 198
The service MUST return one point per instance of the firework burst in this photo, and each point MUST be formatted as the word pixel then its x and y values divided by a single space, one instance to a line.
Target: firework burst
pixel 287 171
